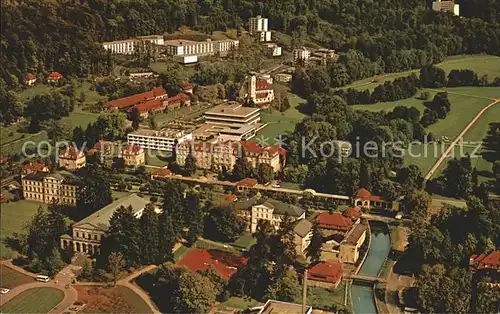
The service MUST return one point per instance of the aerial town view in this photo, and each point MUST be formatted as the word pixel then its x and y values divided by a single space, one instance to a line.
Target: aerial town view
pixel 250 156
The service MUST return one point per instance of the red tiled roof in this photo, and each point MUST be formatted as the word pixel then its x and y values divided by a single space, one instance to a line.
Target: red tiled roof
pixel 226 264
pixel 178 98
pixel 71 153
pixel 186 85
pixel 251 147
pixel 275 148
pixel 29 77
pixel 161 173
pixel 326 271
pixel 335 221
pixel 154 104
pixel 231 198
pixel 363 194
pixel 486 261
pixel 130 101
pixel 262 85
pixel 132 149
pixel 100 144
pixel 247 182
pixel 55 76
pixel 352 212
pixel 34 167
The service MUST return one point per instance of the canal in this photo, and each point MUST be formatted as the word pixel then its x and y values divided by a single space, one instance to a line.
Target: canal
pixel 362 296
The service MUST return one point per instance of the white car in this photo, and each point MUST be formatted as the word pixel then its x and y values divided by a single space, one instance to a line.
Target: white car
pixel 4 290
pixel 276 186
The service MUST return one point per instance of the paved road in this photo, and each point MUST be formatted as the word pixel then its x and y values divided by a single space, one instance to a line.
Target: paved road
pixel 456 140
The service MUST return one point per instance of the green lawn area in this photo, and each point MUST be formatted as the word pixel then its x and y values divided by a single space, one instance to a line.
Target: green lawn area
pixel 280 123
pixel 481 64
pixel 245 241
pixel 79 118
pixel 14 216
pixel 322 298
pixel 135 302
pixel 10 278
pixel 180 252
pixel 36 300
pixel 35 90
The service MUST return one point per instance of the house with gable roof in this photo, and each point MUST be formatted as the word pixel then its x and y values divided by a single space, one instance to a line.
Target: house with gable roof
pixel 363 198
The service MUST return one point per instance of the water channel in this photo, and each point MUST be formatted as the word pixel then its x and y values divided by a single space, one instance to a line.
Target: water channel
pixel 362 296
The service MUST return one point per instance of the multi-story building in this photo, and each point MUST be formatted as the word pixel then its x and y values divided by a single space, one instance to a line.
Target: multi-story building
pixel 128 46
pixel 72 159
pixel 323 56
pixel 125 103
pixel 259 26
pixel 260 90
pixel 162 140
pixel 34 167
pixel 133 155
pixel 303 235
pixel 223 155
pixel 88 233
pixel 273 49
pixel 301 55
pixel 59 187
pixel 351 245
pixel 446 6
pixel 270 210
pixel 182 47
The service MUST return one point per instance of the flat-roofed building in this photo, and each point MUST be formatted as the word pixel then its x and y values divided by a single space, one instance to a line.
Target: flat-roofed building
pixel 301 55
pixel 446 6
pixel 163 140
pixel 128 46
pixel 58 187
pixel 88 233
pixel 280 307
pixel 350 246
pixel 183 47
pixel 232 114
pixel 259 26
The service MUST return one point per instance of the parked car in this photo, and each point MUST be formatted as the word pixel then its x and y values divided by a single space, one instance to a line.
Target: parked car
pixel 4 290
pixel 42 278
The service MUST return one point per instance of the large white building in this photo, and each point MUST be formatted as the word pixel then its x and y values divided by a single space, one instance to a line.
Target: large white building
pixel 260 89
pixel 128 46
pixel 259 26
pixel 446 6
pixel 162 140
pixel 182 47
pixel 301 54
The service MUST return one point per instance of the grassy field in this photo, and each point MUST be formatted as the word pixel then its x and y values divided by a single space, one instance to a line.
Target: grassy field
pixel 111 300
pixel 238 303
pixel 245 241
pixel 322 298
pixel 14 216
pixel 280 123
pixel 10 278
pixel 481 64
pixel 36 300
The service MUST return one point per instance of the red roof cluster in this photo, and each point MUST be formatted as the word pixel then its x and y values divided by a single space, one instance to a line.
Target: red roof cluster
pixel 151 105
pixel 485 261
pixel 186 86
pixel 250 182
pixel 178 98
pixel 32 167
pixel 132 149
pixel 226 264
pixel 254 149
pixel 55 76
pixel 71 153
pixel 327 271
pixel 334 221
pixel 161 173
pixel 231 198
pixel 127 102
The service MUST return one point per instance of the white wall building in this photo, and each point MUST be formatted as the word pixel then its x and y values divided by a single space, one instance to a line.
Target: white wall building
pixel 164 140
pixel 259 26
pixel 260 89
pixel 182 47
pixel 301 54
pixel 128 46
pixel 446 6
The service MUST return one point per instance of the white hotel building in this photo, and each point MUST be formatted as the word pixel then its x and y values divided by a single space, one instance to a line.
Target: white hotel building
pixel 128 46
pixel 259 25
pixel 162 140
pixel 182 47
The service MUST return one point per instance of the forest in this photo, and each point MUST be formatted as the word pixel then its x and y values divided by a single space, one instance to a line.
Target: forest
pixel 43 36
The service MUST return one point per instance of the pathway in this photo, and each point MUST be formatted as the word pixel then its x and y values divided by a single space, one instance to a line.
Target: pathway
pixel 456 140
pixel 127 282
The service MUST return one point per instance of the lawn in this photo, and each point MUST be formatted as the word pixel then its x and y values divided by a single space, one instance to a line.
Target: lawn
pixel 10 278
pixel 36 300
pixel 245 241
pixel 481 64
pixel 238 303
pixel 14 216
pixel 280 123
pixel 111 300
pixel 322 298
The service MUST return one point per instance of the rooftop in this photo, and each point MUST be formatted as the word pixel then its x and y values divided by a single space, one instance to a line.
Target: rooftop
pixel 335 221
pixel 282 208
pixel 61 175
pixel 303 227
pixel 327 271
pixel 165 133
pixel 353 236
pixel 130 101
pixel 100 219
pixel 280 307
pixel 234 109
pixel 226 264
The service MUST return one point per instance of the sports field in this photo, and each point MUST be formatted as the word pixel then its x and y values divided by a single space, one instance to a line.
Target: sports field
pixel 36 300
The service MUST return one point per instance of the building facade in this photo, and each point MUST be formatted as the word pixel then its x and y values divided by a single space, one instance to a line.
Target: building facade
pixel 301 55
pixel 133 155
pixel 363 198
pixel 126 103
pixel 182 47
pixel 446 6
pixel 88 233
pixel 128 46
pixel 163 140
pixel 59 187
pixel 260 90
pixel 72 159
pixel 259 26
pixel 302 236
